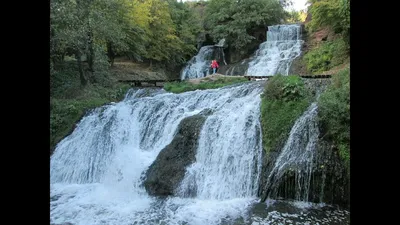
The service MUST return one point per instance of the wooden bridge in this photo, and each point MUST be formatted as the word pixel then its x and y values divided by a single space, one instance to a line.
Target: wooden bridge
pixel 249 77
pixel 160 83
pixel 155 83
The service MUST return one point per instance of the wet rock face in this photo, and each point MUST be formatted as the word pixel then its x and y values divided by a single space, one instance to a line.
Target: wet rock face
pixel 298 66
pixel 329 182
pixel 316 85
pixel 235 69
pixel 168 170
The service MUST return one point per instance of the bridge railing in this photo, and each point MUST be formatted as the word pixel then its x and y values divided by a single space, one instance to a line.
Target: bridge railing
pixel 249 77
pixel 160 82
pixel 156 83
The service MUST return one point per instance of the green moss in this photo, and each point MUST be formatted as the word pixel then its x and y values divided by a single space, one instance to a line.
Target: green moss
pixel 334 114
pixel 207 83
pixel 285 98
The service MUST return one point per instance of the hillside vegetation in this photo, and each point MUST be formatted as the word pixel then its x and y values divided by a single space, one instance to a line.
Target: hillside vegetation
pixel 155 39
pixel 93 43
pixel 327 52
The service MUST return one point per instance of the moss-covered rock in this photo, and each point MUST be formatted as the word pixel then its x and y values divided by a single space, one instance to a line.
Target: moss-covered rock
pixel 330 181
pixel 284 99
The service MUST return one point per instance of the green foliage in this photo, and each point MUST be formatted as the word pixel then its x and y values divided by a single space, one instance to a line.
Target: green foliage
pixel 179 87
pixel 65 80
pixel 98 30
pixel 71 22
pixel 296 16
pixel 163 40
pixel 83 28
pixel 170 31
pixel 284 99
pixel 188 26
pixel 69 100
pixel 327 55
pixel 285 88
pixel 65 113
pixel 334 113
pixel 237 20
pixel 331 13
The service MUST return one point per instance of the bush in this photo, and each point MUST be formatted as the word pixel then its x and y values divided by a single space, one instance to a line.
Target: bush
pixel 326 56
pixel 64 82
pixel 285 98
pixel 334 113
pixel 286 88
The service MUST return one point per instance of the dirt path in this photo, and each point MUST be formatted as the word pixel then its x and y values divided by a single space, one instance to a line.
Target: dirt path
pixel 128 70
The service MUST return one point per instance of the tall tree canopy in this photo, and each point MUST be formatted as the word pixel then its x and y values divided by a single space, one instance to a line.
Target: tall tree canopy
pixel 332 13
pixel 164 32
pixel 236 20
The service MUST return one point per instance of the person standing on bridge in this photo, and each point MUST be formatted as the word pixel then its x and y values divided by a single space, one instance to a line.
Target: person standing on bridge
pixel 214 66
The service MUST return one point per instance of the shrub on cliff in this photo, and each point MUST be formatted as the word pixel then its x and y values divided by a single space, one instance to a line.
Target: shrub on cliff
pixel 334 113
pixel 284 99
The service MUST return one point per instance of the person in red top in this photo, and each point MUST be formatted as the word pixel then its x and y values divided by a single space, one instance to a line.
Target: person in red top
pixel 214 66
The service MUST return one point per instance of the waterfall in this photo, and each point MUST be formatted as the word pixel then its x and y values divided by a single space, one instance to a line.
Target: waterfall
pixel 96 172
pixel 228 160
pixel 199 65
pixel 220 50
pixel 276 55
pixel 297 156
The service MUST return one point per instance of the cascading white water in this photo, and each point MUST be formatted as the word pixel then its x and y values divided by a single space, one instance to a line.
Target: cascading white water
pixel 199 65
pixel 276 55
pixel 297 155
pixel 229 151
pixel 96 172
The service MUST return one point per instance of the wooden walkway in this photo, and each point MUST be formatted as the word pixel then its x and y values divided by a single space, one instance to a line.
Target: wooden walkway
pixel 302 76
pixel 160 83
pixel 154 83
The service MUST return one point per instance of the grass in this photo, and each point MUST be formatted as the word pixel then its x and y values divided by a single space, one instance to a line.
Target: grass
pixel 285 98
pixel 278 117
pixel 206 83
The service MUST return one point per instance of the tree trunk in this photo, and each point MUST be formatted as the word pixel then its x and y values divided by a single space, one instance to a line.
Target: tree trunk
pixel 90 58
pixel 110 53
pixel 78 56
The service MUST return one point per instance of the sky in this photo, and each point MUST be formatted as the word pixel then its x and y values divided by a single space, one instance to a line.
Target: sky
pixel 297 4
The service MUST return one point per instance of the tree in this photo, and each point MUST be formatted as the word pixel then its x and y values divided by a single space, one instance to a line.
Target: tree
pixel 88 29
pixel 237 20
pixel 96 31
pixel 332 13
pixel 67 33
pixel 188 26
pixel 296 16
